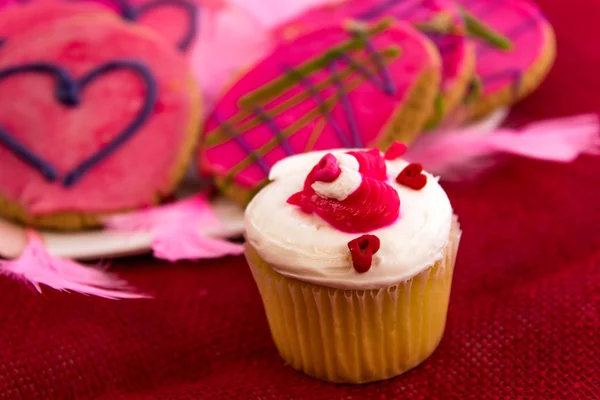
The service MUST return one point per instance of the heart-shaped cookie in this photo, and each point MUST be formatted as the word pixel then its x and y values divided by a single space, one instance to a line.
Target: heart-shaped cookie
pixel 508 73
pixel 438 19
pixel 339 87
pixel 98 116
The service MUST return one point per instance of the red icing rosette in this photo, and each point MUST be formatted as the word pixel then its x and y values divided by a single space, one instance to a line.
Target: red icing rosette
pixel 371 164
pixel 373 205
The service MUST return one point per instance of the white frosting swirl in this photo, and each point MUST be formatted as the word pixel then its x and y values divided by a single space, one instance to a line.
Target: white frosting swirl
pixel 307 248
pixel 345 184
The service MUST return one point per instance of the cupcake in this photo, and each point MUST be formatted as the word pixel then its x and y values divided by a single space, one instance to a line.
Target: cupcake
pixel 353 254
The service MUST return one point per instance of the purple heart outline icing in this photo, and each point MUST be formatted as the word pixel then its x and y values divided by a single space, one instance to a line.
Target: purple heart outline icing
pixel 131 13
pixel 67 91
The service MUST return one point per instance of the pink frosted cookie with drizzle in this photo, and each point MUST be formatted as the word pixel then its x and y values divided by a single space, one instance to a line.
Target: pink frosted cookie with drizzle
pixel 98 116
pixel 438 19
pixel 353 253
pixel 510 71
pixel 332 88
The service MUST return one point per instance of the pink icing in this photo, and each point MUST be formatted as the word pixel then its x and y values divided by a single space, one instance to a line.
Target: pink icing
pixel 373 205
pixel 16 18
pixel 396 150
pixel 171 21
pixel 369 104
pixel 131 176
pixel 520 21
pixel 453 48
pixel 371 164
pixel 327 170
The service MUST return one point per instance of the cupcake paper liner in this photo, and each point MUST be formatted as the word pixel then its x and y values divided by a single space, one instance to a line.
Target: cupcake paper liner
pixel 357 336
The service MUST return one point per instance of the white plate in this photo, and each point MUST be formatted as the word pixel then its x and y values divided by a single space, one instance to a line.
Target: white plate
pixel 105 244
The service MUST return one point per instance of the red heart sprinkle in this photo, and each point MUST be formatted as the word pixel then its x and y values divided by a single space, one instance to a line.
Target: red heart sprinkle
pixel 396 150
pixel 327 169
pixel 362 250
pixel 412 176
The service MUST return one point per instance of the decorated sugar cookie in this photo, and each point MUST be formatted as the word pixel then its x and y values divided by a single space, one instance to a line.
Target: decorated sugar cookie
pixel 438 19
pixel 350 86
pixel 511 71
pixel 98 116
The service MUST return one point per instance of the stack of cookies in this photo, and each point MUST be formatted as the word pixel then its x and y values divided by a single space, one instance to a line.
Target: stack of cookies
pixel 367 72
pixel 101 107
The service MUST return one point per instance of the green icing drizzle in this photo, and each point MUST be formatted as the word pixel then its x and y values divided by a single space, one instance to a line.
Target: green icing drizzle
pixel 477 28
pixel 329 104
pixel 441 23
pixel 278 86
pixel 438 112
pixel 475 91
pixel 217 137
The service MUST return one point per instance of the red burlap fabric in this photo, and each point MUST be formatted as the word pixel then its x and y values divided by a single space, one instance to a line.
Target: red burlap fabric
pixel 524 319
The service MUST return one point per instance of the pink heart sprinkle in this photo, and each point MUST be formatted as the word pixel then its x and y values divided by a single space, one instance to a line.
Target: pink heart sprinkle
pixel 396 150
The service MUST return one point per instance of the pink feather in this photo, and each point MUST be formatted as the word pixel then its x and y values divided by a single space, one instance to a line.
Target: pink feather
pixel 459 153
pixel 179 229
pixel 38 267
pixel 174 243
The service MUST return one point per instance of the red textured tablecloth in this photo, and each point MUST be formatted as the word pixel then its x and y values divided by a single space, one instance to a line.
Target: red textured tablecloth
pixel 524 318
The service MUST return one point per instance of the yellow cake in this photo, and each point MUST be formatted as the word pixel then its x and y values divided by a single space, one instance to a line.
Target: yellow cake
pixel 333 315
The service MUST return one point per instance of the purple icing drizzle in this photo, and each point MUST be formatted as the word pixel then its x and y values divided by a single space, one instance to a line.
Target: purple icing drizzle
pixel 512 34
pixel 67 92
pixel 383 83
pixel 388 84
pixel 389 90
pixel 443 45
pixel 191 10
pixel 482 9
pixel 320 103
pixel 515 75
pixel 242 143
pixel 378 9
pixel 346 106
pixel 259 112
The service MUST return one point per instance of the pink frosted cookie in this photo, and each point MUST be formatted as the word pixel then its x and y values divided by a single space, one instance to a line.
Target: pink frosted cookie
pixel 438 19
pixel 339 87
pixel 97 116
pixel 508 75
